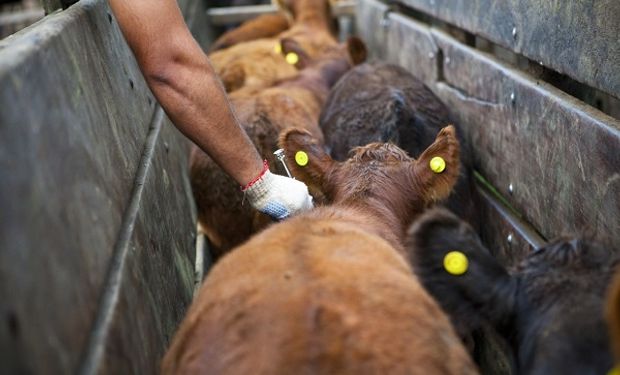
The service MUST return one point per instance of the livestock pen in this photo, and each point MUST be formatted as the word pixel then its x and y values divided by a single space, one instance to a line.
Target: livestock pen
pixel 97 220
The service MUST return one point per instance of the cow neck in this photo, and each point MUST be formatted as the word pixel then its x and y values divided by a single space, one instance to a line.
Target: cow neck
pixel 319 79
pixel 311 13
pixel 382 219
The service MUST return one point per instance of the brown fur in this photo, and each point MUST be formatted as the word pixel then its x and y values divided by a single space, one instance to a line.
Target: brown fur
pixel 256 64
pixel 263 114
pixel 390 189
pixel 263 26
pixel 613 315
pixel 324 292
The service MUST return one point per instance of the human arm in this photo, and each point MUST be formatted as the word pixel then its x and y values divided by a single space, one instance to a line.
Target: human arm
pixel 181 78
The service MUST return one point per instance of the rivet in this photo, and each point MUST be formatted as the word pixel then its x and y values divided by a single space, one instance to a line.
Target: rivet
pixel 166 147
pixel 514 32
pixel 509 238
pixel 431 55
pixel 447 61
pixel 512 97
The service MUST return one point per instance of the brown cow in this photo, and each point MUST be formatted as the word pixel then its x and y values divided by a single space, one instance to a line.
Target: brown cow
pixel 328 291
pixel 549 308
pixel 613 317
pixel 259 63
pixel 264 114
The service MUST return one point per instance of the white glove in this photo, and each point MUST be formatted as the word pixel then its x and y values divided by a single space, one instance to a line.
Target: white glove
pixel 278 196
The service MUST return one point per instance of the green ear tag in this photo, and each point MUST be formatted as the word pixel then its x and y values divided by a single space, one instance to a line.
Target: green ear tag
pixel 301 158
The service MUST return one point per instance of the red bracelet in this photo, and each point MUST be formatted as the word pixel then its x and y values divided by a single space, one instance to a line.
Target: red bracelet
pixel 262 173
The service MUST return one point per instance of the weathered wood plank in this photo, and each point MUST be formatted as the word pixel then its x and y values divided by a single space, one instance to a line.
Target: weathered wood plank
pixel 158 281
pixel 52 5
pixel 227 15
pixel 560 156
pixel 155 272
pixel 68 157
pixel 73 125
pixel 372 27
pixel 398 39
pixel 577 38
pixel 22 16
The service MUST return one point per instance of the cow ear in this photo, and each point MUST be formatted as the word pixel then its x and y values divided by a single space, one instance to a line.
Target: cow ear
pixel 294 53
pixel 357 50
pixel 437 169
pixel 459 272
pixel 306 158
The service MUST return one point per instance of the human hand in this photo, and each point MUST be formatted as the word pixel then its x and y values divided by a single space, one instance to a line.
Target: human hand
pixel 278 196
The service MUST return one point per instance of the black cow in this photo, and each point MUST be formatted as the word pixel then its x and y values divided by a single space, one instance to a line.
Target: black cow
pixel 381 102
pixel 549 308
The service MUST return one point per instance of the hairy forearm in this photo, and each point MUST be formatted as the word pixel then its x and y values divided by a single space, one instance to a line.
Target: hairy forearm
pixel 194 100
pixel 180 77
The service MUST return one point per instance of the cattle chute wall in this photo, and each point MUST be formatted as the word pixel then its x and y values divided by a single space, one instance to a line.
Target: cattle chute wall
pixel 97 224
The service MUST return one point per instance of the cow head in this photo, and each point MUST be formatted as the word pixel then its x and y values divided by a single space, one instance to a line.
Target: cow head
pixel 379 176
pixel 549 308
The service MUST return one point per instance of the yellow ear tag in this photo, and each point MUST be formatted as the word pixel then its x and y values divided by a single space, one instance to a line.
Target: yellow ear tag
pixel 277 48
pixel 292 58
pixel 455 263
pixel 437 164
pixel 614 371
pixel 301 158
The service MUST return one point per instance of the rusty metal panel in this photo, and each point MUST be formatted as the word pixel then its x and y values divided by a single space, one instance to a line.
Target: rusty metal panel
pixel 577 38
pixel 554 158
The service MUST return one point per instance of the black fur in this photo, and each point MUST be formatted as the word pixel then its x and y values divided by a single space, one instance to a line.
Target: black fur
pixel 549 308
pixel 380 102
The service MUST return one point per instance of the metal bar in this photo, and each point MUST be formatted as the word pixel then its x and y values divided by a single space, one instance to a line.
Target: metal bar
pixel 521 227
pixel 22 16
pixel 227 15
pixel 222 16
